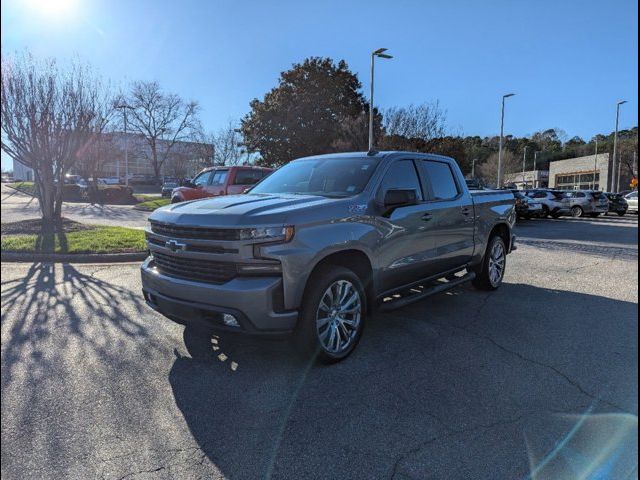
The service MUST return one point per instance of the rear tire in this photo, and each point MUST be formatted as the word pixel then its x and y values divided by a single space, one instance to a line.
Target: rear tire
pixel 333 314
pixel 545 212
pixel 176 200
pixel 594 215
pixel 622 214
pixel 555 215
pixel 577 212
pixel 491 272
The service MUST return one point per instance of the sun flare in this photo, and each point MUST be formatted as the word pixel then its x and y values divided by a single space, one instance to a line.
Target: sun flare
pixel 52 8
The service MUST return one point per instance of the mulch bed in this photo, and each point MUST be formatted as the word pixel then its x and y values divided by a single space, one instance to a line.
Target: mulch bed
pixel 36 226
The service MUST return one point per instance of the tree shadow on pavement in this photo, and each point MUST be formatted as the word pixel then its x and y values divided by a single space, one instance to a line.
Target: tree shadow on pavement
pixel 58 299
pixel 444 388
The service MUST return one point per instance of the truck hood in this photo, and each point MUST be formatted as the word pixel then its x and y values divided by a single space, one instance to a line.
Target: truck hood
pixel 238 210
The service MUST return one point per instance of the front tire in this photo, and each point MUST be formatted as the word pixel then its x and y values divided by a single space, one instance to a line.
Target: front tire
pixel 176 199
pixel 577 212
pixel 594 215
pixel 333 314
pixel 622 214
pixel 491 273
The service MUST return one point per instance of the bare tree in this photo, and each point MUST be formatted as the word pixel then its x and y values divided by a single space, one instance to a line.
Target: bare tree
pixel 162 118
pixel 101 149
pixel 187 158
pixel 227 145
pixel 488 171
pixel 425 121
pixel 48 116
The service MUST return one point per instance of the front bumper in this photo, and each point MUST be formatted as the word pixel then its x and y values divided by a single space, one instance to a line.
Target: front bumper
pixel 253 301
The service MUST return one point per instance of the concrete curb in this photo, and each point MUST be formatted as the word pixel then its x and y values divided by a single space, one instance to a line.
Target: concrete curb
pixel 73 257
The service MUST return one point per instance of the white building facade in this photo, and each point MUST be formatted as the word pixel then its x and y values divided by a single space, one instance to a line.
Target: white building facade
pixel 581 173
pixel 130 154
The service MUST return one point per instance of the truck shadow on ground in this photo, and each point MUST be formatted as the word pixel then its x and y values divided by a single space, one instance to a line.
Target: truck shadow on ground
pixel 441 389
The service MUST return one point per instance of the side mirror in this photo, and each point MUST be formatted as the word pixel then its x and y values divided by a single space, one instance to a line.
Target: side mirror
pixel 400 198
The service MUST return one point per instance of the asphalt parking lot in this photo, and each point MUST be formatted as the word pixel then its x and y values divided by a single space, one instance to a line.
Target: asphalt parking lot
pixel 526 381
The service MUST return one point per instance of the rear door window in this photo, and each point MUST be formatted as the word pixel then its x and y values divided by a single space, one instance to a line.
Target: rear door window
pixel 247 177
pixel 441 179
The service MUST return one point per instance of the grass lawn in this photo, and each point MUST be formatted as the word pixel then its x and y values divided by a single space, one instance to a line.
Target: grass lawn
pixel 151 205
pixel 71 237
pixel 26 187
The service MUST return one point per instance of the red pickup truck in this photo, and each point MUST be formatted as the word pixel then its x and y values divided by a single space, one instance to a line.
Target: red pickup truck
pixel 216 181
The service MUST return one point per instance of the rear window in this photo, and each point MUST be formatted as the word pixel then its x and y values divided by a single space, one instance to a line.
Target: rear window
pixel 559 195
pixel 248 177
pixel 598 195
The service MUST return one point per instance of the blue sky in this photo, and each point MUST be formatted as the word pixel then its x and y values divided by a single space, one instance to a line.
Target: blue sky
pixel 568 61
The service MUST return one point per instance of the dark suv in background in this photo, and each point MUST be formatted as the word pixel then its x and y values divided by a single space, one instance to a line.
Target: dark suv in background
pixel 617 203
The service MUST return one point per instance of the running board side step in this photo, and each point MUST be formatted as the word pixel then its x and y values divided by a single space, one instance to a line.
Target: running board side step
pixel 407 297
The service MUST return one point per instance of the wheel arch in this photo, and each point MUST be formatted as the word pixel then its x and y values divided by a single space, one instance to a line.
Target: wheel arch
pixel 355 260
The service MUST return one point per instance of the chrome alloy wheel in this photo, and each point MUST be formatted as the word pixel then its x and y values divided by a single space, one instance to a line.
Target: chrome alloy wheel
pixel 338 316
pixel 497 262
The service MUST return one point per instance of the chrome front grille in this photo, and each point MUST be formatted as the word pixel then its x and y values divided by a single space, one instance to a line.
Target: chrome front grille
pixel 194 269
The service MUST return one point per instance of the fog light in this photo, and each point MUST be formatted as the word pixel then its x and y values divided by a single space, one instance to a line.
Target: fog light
pixel 229 320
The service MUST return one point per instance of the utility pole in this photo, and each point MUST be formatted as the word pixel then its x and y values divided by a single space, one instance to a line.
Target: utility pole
pixel 504 97
pixel 535 162
pixel 595 166
pixel 524 162
pixel 473 168
pixel 615 183
pixel 124 107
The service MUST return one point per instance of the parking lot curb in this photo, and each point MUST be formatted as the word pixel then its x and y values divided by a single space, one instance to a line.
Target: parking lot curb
pixel 73 257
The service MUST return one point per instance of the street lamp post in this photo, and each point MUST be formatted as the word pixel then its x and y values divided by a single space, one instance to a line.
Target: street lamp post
pixel 524 162
pixel 535 166
pixel 473 168
pixel 615 150
pixel 504 97
pixel 595 167
pixel 376 53
pixel 124 107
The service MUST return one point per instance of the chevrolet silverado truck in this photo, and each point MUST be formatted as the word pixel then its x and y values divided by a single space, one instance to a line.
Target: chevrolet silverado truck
pixel 317 246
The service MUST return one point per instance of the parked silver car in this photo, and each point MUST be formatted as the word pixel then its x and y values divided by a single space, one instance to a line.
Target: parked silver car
pixel 587 202
pixel 554 203
pixel 632 200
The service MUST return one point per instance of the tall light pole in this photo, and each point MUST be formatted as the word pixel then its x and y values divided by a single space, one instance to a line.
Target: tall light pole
pixel 595 166
pixel 535 163
pixel 124 107
pixel 473 168
pixel 504 97
pixel 615 149
pixel 524 162
pixel 376 53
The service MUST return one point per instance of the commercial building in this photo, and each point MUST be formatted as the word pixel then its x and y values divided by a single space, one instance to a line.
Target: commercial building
pixel 581 173
pixel 528 179
pixel 184 159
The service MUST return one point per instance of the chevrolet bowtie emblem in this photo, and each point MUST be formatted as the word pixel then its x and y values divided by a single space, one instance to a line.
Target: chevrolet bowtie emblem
pixel 175 246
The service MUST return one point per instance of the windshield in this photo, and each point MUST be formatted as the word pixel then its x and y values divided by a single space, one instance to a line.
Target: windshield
pixel 328 177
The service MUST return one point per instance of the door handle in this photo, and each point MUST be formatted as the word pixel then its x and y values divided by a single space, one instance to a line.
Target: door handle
pixel 426 217
pixel 465 210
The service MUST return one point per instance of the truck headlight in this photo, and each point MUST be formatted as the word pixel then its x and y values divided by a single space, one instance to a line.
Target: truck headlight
pixel 284 234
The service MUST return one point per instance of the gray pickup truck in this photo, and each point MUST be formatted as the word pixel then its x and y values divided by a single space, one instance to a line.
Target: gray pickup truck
pixel 315 247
